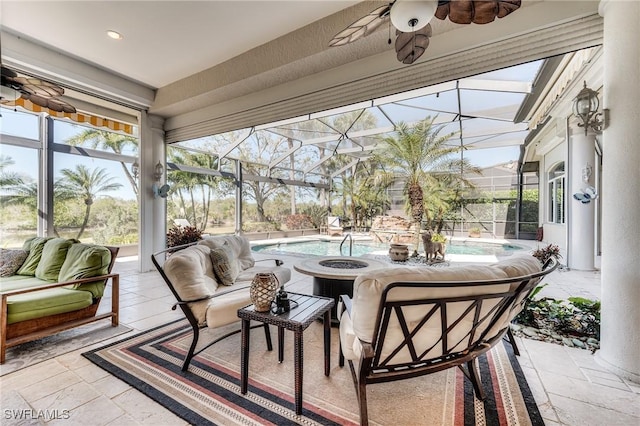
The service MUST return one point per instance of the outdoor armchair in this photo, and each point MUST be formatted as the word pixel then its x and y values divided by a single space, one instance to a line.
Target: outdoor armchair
pixel 407 322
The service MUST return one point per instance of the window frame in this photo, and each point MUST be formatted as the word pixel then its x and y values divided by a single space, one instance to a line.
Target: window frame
pixel 556 184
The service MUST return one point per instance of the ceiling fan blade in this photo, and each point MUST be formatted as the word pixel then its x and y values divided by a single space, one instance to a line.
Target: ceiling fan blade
pixel 39 92
pixel 362 27
pixel 53 104
pixel 56 104
pixel 35 86
pixel 410 46
pixel 475 11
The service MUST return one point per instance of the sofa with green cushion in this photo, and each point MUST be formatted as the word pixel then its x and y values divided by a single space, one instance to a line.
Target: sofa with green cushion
pixel 53 284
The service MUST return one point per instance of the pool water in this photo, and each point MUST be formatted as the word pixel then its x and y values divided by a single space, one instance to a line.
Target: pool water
pixel 332 248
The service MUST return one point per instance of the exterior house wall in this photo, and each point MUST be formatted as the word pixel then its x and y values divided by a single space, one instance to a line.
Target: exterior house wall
pixel 554 233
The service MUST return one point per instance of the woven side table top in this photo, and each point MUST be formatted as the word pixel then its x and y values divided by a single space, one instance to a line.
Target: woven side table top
pixel 308 309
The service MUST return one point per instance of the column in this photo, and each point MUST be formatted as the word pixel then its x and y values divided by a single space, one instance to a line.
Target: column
pixel 581 223
pixel 152 210
pixel 620 342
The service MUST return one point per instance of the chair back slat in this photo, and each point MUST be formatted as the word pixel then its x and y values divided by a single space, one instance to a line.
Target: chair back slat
pixel 424 332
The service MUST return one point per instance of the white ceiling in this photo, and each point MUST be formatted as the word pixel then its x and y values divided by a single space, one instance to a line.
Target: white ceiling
pixel 193 61
pixel 164 41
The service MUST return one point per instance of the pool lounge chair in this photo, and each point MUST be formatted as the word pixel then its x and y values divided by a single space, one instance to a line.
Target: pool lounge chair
pixel 333 226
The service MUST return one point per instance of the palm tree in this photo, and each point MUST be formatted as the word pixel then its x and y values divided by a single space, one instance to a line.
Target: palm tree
pixel 187 184
pixel 419 155
pixel 8 179
pixel 87 184
pixel 366 190
pixel 107 140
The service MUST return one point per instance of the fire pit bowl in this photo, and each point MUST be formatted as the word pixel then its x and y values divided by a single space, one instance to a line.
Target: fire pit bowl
pixel 343 263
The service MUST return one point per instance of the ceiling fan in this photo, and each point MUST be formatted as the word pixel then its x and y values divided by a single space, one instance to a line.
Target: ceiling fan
pixel 411 21
pixel 37 91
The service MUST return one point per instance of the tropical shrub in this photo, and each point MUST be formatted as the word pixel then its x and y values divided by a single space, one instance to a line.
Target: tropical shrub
pixel 298 221
pixel 179 235
pixel 576 316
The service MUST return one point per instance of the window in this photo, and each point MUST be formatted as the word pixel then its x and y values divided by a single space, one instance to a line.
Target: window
pixel 556 194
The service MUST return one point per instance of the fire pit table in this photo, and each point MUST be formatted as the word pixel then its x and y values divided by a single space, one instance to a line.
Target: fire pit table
pixel 333 276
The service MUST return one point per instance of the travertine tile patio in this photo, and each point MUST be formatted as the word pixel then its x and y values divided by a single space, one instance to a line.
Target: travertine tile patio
pixel 570 388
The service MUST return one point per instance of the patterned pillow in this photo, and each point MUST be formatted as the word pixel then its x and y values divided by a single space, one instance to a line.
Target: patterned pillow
pixel 11 261
pixel 224 268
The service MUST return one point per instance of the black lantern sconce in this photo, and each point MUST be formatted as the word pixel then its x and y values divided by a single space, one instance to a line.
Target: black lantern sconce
pixel 159 190
pixel 135 170
pixel 586 106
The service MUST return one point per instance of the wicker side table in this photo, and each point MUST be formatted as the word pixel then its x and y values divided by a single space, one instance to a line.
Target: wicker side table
pixel 308 309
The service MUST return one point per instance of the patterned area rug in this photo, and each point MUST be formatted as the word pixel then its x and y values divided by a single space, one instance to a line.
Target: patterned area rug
pixel 36 351
pixel 209 393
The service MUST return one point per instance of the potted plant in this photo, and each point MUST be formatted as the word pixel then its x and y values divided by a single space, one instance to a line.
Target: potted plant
pixel 179 235
pixel 546 253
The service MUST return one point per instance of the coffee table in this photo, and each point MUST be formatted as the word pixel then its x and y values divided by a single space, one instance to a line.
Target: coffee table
pixel 334 275
pixel 305 310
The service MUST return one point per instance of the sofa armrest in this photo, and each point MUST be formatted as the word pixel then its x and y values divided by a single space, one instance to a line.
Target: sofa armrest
pixel 367 349
pixel 277 261
pixel 4 296
pixel 61 284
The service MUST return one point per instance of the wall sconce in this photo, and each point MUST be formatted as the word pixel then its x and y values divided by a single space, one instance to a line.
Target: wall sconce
pixel 159 191
pixel 585 107
pixel 135 170
pixel 157 174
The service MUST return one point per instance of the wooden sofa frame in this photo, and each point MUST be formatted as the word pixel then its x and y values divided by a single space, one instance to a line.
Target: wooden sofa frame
pixel 37 328
pixel 156 258
pixel 373 368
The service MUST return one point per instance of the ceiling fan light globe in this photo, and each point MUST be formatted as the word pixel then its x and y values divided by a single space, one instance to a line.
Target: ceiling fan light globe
pixel 409 15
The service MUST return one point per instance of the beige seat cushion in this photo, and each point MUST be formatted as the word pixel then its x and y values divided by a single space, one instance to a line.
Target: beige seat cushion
pixel 518 266
pixel 191 272
pixel 239 246
pixel 282 274
pixel 368 290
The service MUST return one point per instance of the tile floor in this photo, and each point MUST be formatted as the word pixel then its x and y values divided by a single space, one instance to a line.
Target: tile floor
pixel 569 386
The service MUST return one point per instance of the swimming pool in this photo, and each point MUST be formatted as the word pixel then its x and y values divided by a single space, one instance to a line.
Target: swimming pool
pixel 332 248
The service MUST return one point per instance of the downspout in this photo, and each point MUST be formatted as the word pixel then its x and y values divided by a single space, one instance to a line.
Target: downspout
pixel 567 175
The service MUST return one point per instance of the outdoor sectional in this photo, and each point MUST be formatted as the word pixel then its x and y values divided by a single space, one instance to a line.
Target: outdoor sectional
pixel 58 286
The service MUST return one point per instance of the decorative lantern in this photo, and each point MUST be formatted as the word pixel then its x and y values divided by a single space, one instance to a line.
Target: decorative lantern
pixel 585 107
pixel 263 290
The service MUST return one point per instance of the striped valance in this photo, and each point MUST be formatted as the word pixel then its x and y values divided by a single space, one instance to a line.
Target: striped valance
pixel 78 117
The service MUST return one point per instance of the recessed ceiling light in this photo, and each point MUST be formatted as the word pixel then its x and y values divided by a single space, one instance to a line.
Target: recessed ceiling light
pixel 114 35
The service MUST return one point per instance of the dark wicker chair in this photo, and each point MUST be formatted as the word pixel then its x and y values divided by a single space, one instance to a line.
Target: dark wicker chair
pixel 424 327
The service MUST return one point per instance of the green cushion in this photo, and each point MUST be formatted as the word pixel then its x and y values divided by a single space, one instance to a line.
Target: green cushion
pixel 16 282
pixel 53 255
pixel 34 246
pixel 11 261
pixel 85 261
pixel 46 302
